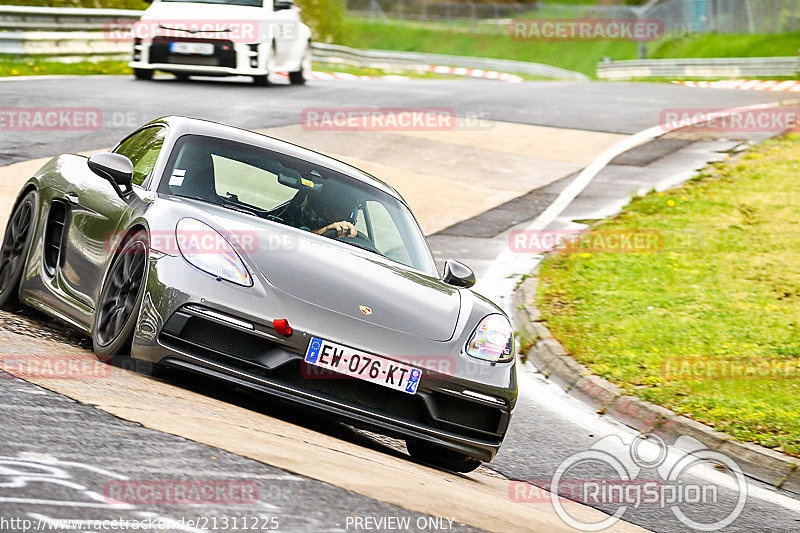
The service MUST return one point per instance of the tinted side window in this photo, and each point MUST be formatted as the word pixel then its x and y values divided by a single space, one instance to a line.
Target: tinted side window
pixel 143 149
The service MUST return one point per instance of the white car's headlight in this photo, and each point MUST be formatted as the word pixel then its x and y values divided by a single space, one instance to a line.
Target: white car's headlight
pixel 492 340
pixel 204 247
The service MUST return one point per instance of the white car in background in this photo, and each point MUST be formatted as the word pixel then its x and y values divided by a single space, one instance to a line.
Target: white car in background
pixel 222 38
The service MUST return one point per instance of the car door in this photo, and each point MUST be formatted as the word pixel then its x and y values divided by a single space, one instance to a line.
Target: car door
pixel 95 213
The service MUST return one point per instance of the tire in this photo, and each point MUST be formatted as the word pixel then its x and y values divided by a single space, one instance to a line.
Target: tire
pixel 261 81
pixel 14 250
pixel 441 458
pixel 300 77
pixel 143 73
pixel 117 310
pixel 181 76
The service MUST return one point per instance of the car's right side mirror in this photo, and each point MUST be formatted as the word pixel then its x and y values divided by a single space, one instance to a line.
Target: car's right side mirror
pixel 281 5
pixel 458 274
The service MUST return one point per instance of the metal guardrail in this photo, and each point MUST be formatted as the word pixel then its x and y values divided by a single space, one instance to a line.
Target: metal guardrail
pixel 80 38
pixel 700 68
pixel 331 53
pixel 62 18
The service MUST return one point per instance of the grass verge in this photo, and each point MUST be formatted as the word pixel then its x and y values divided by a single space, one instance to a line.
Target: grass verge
pixel 580 56
pixel 14 66
pixel 709 326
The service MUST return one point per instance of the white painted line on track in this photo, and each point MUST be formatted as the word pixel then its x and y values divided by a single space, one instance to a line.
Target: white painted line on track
pixel 499 281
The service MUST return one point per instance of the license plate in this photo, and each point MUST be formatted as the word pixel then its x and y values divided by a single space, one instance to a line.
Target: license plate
pixel 361 365
pixel 203 49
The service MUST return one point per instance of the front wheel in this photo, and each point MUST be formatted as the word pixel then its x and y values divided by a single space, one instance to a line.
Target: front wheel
pixel 299 77
pixel 143 73
pixel 16 243
pixel 120 298
pixel 441 458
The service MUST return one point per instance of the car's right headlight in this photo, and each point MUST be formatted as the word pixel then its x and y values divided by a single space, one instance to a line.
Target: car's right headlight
pixel 492 340
pixel 205 248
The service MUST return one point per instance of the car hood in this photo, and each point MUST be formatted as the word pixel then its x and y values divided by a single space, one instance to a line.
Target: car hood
pixel 342 279
pixel 335 276
pixel 188 12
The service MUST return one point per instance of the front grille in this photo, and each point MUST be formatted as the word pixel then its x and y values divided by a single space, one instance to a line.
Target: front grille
pixel 352 391
pixel 224 54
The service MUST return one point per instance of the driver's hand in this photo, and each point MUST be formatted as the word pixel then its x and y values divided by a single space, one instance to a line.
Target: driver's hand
pixel 343 229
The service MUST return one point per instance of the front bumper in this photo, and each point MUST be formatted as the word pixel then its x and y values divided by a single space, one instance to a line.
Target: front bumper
pixel 228 59
pixel 191 321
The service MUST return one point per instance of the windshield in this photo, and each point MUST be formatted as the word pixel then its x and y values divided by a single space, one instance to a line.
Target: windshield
pixel 296 193
pixel 249 3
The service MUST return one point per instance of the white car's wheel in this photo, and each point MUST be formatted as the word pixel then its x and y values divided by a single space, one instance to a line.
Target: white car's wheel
pixel 299 77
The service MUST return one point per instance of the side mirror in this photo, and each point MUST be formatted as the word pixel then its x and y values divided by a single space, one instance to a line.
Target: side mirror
pixel 116 168
pixel 281 5
pixel 458 274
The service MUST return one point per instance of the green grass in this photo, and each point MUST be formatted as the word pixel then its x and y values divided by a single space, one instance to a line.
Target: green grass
pixel 581 56
pixel 578 56
pixel 13 66
pixel 725 287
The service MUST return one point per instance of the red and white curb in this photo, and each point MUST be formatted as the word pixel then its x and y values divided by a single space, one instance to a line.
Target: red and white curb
pixel 455 71
pixel 475 73
pixel 747 85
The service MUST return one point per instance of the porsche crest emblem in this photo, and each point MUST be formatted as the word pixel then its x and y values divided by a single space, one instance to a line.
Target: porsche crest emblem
pixel 364 309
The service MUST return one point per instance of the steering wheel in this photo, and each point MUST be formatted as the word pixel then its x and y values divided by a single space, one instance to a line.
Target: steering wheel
pixel 360 239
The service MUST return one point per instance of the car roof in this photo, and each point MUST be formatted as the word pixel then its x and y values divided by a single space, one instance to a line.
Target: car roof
pixel 180 126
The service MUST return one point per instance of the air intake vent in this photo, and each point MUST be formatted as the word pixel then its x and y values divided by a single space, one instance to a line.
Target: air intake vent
pixel 54 236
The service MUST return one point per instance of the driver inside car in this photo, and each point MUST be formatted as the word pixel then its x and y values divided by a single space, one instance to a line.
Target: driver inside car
pixel 320 212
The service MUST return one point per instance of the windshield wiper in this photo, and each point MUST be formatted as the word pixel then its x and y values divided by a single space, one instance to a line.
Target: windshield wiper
pixel 240 209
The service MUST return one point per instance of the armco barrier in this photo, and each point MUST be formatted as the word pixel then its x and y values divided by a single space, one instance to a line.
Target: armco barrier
pixel 700 68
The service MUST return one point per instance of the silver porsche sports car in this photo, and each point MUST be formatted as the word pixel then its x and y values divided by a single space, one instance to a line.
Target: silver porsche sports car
pixel 211 249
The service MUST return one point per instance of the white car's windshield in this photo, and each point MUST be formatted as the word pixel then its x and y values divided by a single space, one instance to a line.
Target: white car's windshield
pixel 297 193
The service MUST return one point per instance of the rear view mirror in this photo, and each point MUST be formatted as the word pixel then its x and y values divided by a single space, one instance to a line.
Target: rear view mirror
pixel 116 168
pixel 281 5
pixel 458 274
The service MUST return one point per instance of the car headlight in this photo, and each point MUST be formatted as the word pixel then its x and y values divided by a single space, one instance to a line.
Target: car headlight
pixel 203 247
pixel 492 340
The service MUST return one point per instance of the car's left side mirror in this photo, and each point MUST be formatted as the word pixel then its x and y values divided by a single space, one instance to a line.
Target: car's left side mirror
pixel 281 5
pixel 458 274
pixel 116 168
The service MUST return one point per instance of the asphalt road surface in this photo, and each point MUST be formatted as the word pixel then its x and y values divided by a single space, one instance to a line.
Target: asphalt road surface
pixel 47 434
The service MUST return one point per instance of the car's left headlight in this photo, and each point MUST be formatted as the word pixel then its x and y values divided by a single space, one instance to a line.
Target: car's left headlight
pixel 492 340
pixel 203 247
